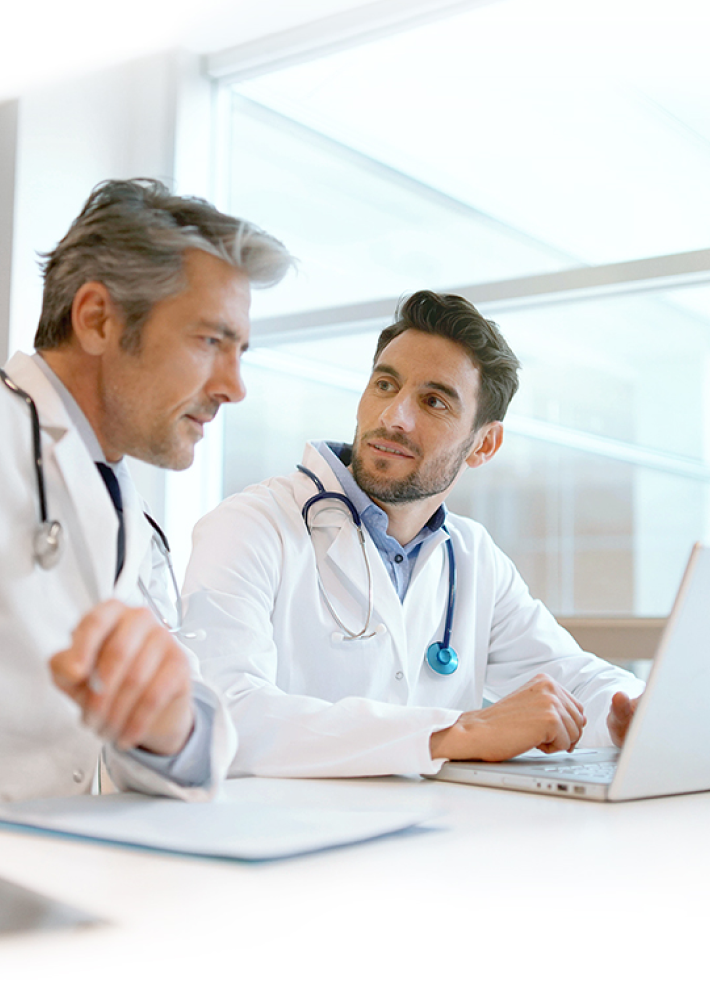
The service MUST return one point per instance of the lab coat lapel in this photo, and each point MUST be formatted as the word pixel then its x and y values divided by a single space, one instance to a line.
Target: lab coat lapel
pixel 138 537
pixel 343 554
pixel 64 453
pixel 95 515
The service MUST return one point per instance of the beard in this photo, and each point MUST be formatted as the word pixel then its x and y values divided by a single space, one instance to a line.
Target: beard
pixel 433 476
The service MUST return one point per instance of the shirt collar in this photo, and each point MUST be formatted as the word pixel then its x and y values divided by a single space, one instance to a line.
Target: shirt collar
pixel 336 455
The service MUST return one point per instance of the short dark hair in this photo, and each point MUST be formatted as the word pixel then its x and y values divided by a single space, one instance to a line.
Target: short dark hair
pixel 131 236
pixel 453 317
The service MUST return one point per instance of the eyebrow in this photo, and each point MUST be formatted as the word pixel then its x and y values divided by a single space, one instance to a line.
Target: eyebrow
pixel 226 331
pixel 445 390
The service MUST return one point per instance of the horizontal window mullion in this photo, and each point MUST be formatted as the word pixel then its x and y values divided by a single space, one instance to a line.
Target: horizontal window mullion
pixel 622 278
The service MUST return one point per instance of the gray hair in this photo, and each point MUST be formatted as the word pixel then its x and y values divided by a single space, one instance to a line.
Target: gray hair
pixel 454 318
pixel 131 236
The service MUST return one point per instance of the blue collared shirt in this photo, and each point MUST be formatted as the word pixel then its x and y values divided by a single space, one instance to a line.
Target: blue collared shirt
pixel 399 559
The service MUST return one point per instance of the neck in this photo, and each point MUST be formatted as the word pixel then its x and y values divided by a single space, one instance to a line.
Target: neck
pixel 81 380
pixel 406 520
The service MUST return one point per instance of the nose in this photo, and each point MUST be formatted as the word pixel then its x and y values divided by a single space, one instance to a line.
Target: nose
pixel 227 384
pixel 399 414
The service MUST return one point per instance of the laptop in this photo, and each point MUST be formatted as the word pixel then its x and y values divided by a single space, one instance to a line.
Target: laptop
pixel 667 749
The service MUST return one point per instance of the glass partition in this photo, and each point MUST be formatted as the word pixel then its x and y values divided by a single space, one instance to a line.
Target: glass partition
pixel 518 138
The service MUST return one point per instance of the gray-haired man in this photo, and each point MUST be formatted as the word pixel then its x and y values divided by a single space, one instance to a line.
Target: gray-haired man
pixel 144 320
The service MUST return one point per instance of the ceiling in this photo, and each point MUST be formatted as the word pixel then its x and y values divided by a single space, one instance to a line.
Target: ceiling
pixel 48 41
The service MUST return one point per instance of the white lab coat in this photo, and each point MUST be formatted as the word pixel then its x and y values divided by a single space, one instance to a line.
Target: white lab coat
pixel 307 704
pixel 44 748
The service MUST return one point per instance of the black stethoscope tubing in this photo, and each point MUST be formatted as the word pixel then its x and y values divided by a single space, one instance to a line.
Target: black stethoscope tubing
pixel 36 441
pixel 49 536
pixel 48 539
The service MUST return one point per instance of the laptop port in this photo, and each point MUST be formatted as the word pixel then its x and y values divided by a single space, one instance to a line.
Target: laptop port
pixel 562 788
pixel 579 790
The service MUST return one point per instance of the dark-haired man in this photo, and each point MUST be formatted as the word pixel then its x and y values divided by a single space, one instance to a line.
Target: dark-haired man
pixel 144 319
pixel 342 652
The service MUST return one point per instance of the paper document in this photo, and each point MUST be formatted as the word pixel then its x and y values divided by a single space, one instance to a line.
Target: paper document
pixel 223 829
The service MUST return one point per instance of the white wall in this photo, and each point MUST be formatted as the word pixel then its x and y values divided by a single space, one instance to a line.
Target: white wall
pixel 8 154
pixel 116 123
pixel 59 141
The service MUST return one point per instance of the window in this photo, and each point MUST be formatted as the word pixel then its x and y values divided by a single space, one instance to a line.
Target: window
pixel 550 161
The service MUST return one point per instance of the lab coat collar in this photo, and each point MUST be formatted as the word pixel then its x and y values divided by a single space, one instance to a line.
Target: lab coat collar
pixel 27 374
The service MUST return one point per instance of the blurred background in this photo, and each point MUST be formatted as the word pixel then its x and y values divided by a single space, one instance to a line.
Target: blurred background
pixel 548 160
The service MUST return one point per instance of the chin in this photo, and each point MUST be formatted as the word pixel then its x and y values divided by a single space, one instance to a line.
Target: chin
pixel 175 457
pixel 179 464
pixel 181 457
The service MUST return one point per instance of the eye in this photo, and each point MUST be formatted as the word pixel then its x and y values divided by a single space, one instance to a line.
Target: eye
pixel 434 403
pixel 383 384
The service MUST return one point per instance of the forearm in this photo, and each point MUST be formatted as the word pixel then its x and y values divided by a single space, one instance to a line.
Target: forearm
pixel 282 735
pixel 540 714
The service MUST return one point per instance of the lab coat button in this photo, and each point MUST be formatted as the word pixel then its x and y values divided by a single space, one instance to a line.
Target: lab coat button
pixel 78 776
pixel 399 675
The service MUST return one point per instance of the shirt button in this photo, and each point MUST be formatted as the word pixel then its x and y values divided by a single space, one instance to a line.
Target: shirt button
pixel 399 558
pixel 78 776
pixel 399 675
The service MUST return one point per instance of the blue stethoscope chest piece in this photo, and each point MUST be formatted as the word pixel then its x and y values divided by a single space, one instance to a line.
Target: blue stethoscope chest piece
pixel 442 659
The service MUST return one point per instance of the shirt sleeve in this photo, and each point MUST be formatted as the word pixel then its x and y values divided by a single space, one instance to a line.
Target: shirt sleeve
pixel 192 766
pixel 196 773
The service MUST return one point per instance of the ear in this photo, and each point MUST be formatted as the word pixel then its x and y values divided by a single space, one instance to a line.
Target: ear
pixel 488 441
pixel 95 319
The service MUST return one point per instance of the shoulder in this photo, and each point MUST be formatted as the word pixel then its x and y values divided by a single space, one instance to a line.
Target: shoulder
pixel 266 507
pixel 475 548
pixel 28 376
pixel 469 534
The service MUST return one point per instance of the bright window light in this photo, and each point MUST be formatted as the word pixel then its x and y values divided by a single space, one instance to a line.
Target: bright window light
pixel 517 138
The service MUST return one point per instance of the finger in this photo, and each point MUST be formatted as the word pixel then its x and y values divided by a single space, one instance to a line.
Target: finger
pixel 163 712
pixel 115 658
pixel 565 728
pixel 73 666
pixel 622 706
pixel 577 720
pixel 621 713
pixel 127 688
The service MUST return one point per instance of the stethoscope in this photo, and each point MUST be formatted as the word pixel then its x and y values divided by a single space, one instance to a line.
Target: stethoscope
pixel 441 656
pixel 48 540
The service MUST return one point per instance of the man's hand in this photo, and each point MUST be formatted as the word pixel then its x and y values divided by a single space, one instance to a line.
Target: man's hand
pixel 130 678
pixel 620 715
pixel 540 714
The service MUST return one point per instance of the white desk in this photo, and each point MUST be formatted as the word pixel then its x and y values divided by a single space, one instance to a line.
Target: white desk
pixel 512 895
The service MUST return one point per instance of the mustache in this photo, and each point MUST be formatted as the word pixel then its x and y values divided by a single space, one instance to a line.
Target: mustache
pixel 392 437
